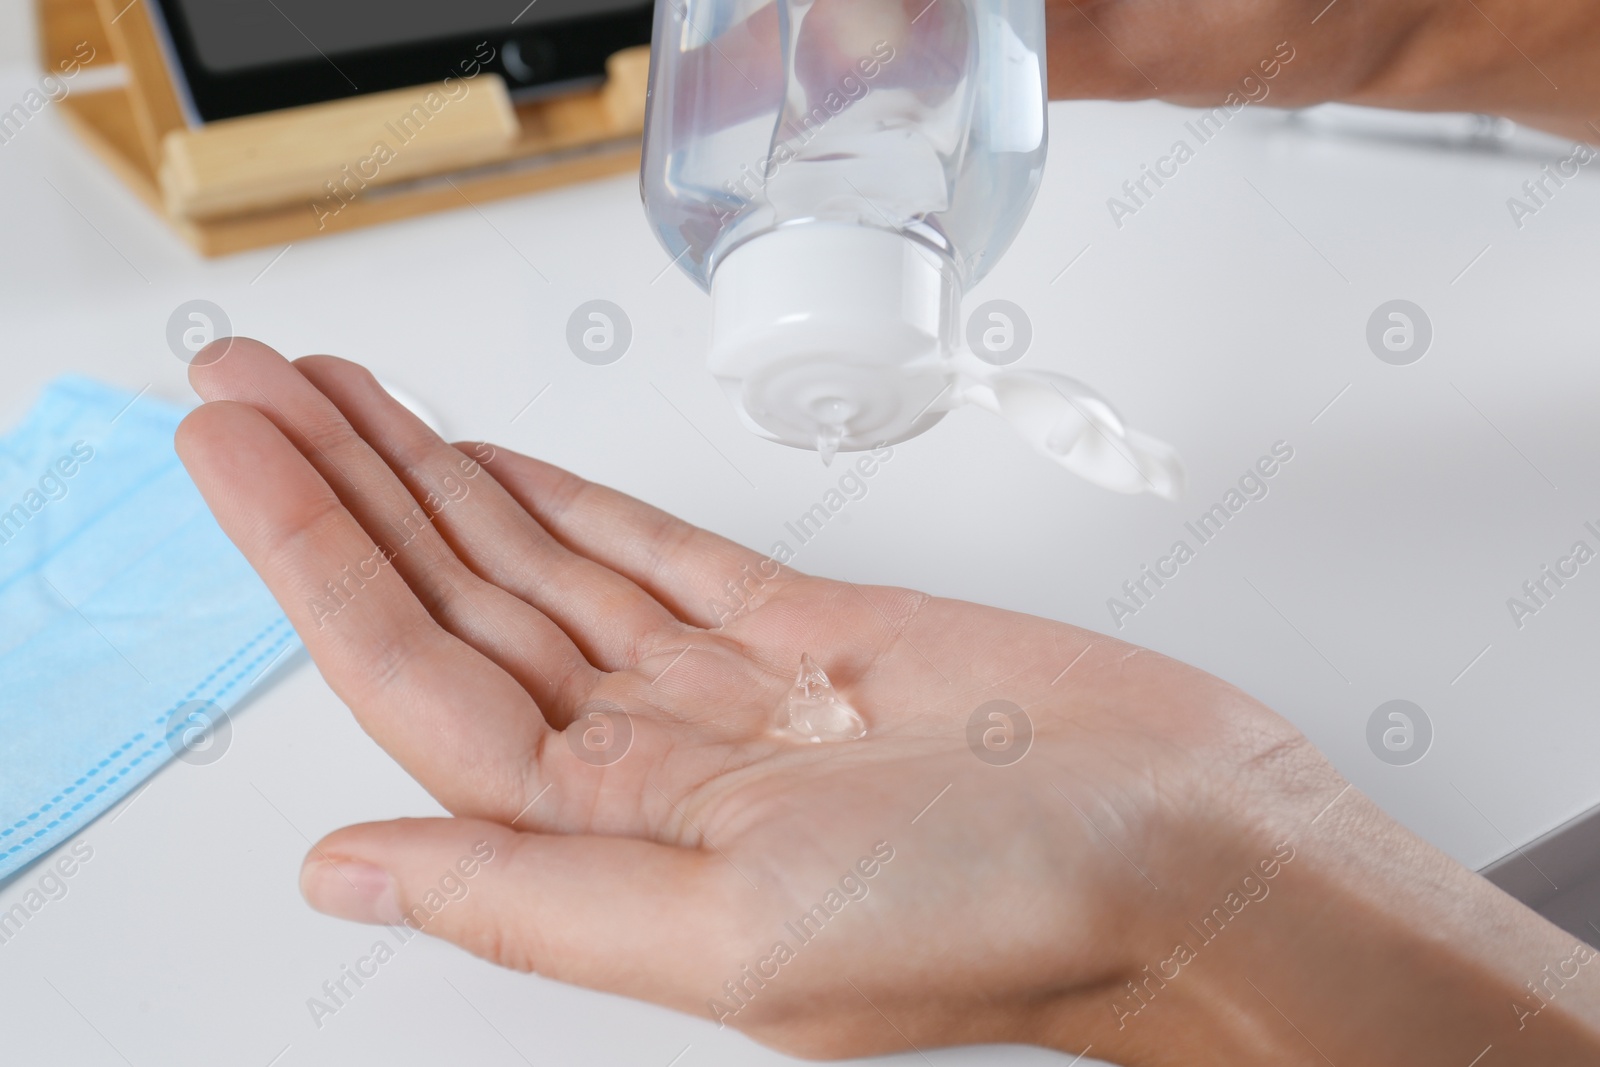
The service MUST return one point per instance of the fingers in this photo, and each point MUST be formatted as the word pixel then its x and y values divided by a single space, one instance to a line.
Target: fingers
pixel 611 913
pixel 463 728
pixel 529 647
pixel 684 567
pixel 609 617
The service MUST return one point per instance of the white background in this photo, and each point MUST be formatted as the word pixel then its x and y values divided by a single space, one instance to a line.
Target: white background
pixel 1223 317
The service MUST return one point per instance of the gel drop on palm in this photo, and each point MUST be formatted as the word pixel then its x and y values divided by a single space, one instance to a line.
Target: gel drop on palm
pixel 838 173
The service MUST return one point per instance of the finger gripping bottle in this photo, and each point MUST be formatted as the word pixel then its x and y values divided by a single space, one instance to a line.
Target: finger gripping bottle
pixel 837 173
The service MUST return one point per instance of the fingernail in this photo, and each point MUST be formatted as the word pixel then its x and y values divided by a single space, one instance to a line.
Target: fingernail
pixel 350 890
pixel 212 352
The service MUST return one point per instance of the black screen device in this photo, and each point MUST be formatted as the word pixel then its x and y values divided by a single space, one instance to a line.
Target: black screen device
pixel 243 57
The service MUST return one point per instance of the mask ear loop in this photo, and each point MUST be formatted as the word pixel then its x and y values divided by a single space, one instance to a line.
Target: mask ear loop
pixel 1074 426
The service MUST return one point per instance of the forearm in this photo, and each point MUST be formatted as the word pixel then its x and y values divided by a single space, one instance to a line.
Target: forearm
pixel 1535 61
pixel 1367 947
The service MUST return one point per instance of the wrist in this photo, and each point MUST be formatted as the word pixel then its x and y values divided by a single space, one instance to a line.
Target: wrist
pixel 1321 931
pixel 1373 947
pixel 1220 861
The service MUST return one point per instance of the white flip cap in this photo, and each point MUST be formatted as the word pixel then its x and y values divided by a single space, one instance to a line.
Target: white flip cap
pixel 831 336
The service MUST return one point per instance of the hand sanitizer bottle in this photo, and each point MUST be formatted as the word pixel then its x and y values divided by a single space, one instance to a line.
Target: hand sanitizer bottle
pixel 838 173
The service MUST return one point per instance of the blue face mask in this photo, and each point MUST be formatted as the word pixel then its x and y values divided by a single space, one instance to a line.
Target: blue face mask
pixel 129 623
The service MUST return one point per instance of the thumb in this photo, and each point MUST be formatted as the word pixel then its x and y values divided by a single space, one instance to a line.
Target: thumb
pixel 633 917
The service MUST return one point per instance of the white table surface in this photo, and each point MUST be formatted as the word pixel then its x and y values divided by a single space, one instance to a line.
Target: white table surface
pixel 1224 317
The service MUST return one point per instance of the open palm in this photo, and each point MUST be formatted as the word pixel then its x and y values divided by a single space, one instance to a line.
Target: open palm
pixel 569 672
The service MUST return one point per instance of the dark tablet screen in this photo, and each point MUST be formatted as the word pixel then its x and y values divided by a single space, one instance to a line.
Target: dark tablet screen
pixel 232 35
pixel 242 57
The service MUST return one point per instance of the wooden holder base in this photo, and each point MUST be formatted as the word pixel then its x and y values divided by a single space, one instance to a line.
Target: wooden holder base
pixel 300 173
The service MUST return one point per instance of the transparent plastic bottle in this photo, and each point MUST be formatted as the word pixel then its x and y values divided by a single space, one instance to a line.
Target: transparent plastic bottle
pixel 838 173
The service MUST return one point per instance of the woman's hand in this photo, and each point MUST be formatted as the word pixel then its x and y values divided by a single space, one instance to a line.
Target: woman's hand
pixel 590 686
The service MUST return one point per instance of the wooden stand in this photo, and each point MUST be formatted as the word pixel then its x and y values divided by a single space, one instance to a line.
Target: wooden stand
pixel 291 175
